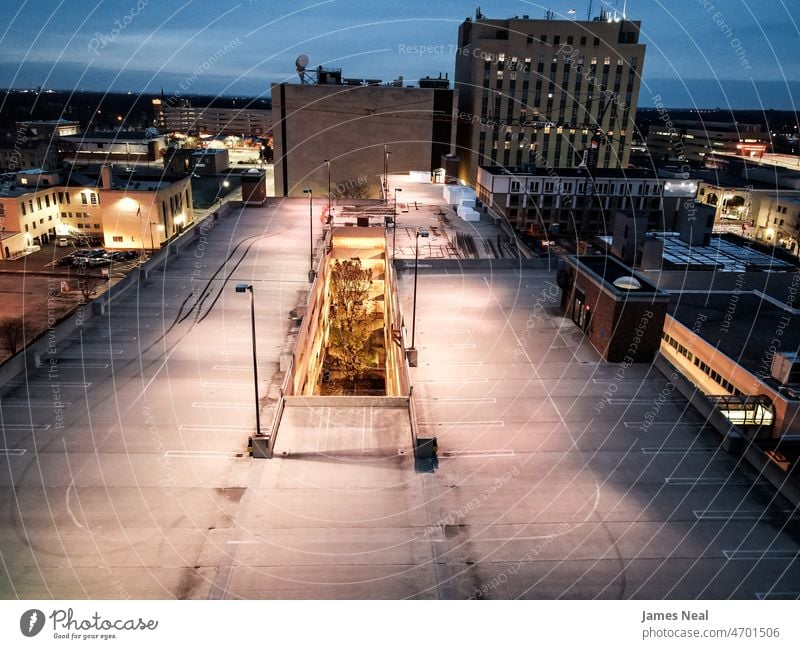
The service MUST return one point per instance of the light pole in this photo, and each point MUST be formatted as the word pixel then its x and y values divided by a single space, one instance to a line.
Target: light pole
pixel 222 183
pixel 386 155
pixel 311 273
pixel 244 288
pixel 328 162
pixel 411 353
pixel 394 220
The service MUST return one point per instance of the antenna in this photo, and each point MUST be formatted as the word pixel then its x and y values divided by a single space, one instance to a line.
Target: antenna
pixel 300 63
pixel 589 12
pixel 625 10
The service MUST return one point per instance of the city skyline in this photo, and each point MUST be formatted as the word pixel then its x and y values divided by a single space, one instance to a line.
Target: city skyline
pixel 729 57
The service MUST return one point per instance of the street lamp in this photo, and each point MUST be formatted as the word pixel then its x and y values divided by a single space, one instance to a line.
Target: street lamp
pixel 328 162
pixel 223 183
pixel 311 273
pixel 244 288
pixel 394 220
pixel 386 155
pixel 411 353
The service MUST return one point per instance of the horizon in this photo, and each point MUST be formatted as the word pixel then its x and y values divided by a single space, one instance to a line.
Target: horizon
pixel 728 58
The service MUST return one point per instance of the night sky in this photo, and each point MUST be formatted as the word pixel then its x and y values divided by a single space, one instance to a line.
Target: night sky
pixel 694 54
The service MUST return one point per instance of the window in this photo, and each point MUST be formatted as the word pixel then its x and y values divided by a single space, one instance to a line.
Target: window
pixel 38 202
pixel 84 201
pixel 556 40
pixel 22 205
pixel 46 200
pixel 117 239
pixel 66 195
pixel 93 196
pixel 515 186
pixel 96 226
pixel 543 39
pixel 530 39
pixel 569 40
pixel 597 41
pixel 607 61
pixel 583 40
pixel 60 197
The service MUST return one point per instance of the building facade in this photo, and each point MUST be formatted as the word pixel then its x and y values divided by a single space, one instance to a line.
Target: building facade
pixel 573 201
pixel 179 116
pixel 109 148
pixel 354 126
pixel 139 214
pixel 546 93
pixel 695 141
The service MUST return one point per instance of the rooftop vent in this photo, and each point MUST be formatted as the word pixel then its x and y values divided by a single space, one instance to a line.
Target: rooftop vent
pixel 627 283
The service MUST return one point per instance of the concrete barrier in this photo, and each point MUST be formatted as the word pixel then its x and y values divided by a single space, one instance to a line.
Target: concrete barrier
pixel 347 402
pixel 538 263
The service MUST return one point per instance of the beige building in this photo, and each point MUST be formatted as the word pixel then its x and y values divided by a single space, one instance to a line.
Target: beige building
pixel 140 214
pixel 352 126
pixel 548 93
pixel 181 117
pixel 694 141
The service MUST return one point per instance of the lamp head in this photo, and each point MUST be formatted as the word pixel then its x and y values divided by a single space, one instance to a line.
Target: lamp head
pixel 307 191
pixel 423 233
pixel 243 288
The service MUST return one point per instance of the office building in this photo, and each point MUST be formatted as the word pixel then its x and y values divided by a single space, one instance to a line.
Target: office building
pixel 353 123
pixel 546 93
pixel 569 202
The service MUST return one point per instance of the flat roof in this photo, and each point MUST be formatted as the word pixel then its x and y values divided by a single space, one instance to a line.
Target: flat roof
pixel 609 270
pixel 720 255
pixel 742 326
pixel 570 172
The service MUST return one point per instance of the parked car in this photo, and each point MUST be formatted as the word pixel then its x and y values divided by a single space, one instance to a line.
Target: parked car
pixel 116 255
pixel 66 260
pixel 62 242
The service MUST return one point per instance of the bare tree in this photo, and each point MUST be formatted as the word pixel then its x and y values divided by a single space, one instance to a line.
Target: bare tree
pixel 12 334
pixel 351 318
pixel 87 285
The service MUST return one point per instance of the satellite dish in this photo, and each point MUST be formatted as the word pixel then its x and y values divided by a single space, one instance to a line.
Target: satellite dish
pixel 300 63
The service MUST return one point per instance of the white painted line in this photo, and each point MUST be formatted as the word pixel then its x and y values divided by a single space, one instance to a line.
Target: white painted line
pixel 201 454
pixel 743 515
pixel 21 402
pixel 456 364
pixel 451 381
pixel 447 332
pixel 445 317
pixel 758 555
pixel 456 400
pixel 30 427
pixel 233 368
pixel 498 453
pixel 87 338
pixel 602 381
pixel 645 401
pixel 462 424
pixel 215 404
pixel 458 346
pixel 666 424
pixel 779 595
pixel 678 450
pixel 242 339
pixel 50 384
pixel 13 451
pixel 209 384
pixel 204 429
pixel 87 366
pixel 710 481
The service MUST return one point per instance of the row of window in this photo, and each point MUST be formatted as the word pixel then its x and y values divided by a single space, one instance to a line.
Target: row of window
pixel 41 221
pixel 702 366
pixel 58 198
pixel 601 189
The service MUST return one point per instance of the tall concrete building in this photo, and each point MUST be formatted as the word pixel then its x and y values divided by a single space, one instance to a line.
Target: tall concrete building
pixel 348 122
pixel 546 93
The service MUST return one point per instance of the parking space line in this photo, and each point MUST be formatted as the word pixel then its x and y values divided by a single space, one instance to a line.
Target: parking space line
pixel 643 401
pixel 711 481
pixel 456 400
pixel 462 424
pixel 678 450
pixel 215 404
pixel 189 428
pixel 468 454
pixel 226 455
pixel 13 451
pixel 758 555
pixel 60 384
pixel 743 515
pixel 447 332
pixel 209 384
pixel 30 427
pixel 452 380
pixel 457 364
pixel 32 403
pixel 666 424
pixel 779 595
pixel 233 368
pixel 456 346
pixel 86 366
